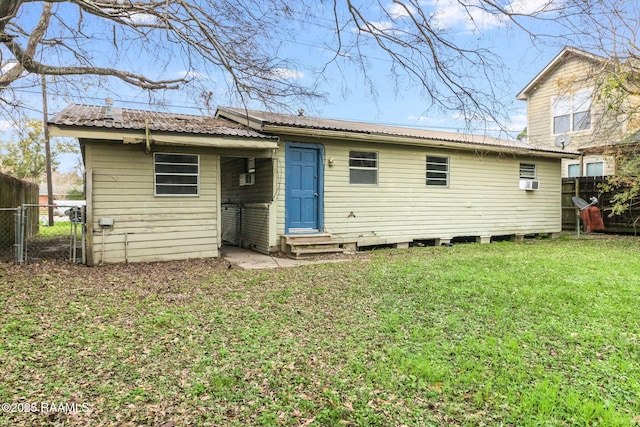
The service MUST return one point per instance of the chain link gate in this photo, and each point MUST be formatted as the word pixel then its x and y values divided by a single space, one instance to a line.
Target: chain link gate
pixel 9 234
pixel 25 234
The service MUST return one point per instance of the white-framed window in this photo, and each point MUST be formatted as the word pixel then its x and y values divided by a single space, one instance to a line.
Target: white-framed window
pixel 527 171
pixel 176 174
pixel 438 171
pixel 363 167
pixel 595 169
pixel 573 171
pixel 572 112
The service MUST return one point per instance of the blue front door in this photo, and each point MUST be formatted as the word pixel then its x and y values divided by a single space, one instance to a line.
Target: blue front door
pixel 303 188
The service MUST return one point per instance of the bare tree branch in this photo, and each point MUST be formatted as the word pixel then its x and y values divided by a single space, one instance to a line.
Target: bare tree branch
pixel 240 45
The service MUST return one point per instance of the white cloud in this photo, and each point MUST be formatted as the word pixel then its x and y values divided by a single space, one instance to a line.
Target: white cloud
pixel 396 11
pixel 519 120
pixel 288 73
pixel 451 14
pixel 533 6
pixel 134 18
pixel 425 120
pixel 375 27
pixel 458 116
pixel 382 25
pixel 192 75
pixel 143 18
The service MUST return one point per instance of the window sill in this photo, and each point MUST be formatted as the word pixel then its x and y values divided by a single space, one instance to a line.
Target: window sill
pixel 573 132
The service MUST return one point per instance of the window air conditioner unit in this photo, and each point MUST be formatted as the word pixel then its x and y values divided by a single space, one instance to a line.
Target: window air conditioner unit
pixel 247 179
pixel 529 184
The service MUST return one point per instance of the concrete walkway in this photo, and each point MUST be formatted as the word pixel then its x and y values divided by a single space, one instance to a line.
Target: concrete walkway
pixel 250 260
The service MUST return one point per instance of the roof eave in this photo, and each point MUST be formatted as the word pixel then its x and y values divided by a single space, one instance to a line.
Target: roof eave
pixel 132 136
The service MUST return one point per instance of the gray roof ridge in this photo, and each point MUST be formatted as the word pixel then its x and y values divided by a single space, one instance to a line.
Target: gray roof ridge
pixel 293 120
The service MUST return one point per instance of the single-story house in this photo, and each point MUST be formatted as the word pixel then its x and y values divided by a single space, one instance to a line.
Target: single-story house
pixel 163 186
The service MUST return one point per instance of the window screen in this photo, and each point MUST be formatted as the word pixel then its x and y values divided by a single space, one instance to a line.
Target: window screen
pixel 176 174
pixel 363 167
pixel 438 171
pixel 527 171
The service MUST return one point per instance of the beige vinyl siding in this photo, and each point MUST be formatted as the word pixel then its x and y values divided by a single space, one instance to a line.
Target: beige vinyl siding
pixel 156 228
pixel 254 201
pixel 483 197
pixel 232 191
pixel 568 78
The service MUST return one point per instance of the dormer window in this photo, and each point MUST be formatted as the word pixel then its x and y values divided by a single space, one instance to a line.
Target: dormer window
pixel 572 112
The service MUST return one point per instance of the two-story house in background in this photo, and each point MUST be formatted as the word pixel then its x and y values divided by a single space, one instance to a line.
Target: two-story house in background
pixel 564 110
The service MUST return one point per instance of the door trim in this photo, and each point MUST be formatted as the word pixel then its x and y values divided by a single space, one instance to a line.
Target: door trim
pixel 320 186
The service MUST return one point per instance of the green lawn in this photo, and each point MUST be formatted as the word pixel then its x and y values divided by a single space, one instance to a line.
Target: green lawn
pixel 58 229
pixel 544 333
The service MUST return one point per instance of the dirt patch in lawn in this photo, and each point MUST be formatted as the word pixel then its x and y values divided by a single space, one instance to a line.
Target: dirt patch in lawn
pixel 152 274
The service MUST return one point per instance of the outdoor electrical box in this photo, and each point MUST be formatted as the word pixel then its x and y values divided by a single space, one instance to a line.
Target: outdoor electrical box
pixel 105 222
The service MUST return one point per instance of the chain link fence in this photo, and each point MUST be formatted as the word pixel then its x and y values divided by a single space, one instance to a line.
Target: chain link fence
pixel 27 236
pixel 8 234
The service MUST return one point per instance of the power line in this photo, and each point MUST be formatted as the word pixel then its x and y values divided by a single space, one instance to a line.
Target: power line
pixel 193 107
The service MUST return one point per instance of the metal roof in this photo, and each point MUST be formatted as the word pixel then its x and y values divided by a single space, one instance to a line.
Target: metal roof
pixel 264 119
pixel 94 116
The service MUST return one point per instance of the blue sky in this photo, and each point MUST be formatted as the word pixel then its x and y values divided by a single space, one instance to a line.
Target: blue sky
pixel 348 96
pixel 522 59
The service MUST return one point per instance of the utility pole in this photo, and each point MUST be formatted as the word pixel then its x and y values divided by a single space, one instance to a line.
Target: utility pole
pixel 47 145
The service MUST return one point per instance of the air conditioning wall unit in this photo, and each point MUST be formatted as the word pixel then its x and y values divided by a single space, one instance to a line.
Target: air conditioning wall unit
pixel 529 184
pixel 247 179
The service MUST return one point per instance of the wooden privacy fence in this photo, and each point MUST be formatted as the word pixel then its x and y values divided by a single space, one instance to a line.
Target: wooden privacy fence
pixel 587 187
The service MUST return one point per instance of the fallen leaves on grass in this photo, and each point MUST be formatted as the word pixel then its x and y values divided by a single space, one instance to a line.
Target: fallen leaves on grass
pixel 467 335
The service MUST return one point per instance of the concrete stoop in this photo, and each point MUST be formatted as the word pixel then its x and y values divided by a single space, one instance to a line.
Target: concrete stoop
pixel 301 246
